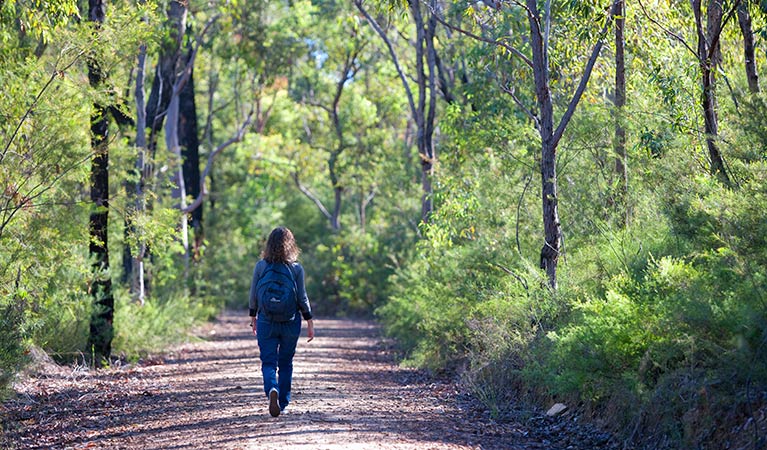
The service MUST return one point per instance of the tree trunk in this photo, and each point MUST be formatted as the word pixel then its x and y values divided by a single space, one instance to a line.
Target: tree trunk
pixel 338 190
pixel 137 267
pixel 335 222
pixel 744 19
pixel 425 123
pixel 621 166
pixel 709 56
pixel 208 132
pixel 551 226
pixel 177 179
pixel 101 330
pixel 429 151
pixel 708 100
pixel 167 66
pixel 190 151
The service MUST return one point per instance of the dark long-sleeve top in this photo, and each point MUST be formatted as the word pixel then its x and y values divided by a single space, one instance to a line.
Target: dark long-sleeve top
pixel 298 274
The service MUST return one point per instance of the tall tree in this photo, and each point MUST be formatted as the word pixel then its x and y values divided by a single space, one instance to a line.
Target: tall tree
pixel 137 285
pixel 425 116
pixel 167 67
pixel 188 136
pixel 101 330
pixel 749 55
pixel 539 28
pixel 347 70
pixel 540 31
pixel 709 56
pixel 423 107
pixel 619 142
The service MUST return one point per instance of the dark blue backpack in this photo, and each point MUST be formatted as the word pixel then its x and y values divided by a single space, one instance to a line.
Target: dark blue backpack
pixel 277 292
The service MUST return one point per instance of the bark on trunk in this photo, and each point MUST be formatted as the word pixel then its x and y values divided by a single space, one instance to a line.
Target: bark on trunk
pixel 137 268
pixel 424 47
pixel 167 66
pixel 621 166
pixel 190 151
pixel 744 20
pixel 709 57
pixel 711 124
pixel 177 179
pixel 551 226
pixel 101 330
pixel 335 221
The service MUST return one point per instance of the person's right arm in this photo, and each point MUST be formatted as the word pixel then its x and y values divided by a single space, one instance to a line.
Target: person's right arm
pixel 310 330
pixel 252 300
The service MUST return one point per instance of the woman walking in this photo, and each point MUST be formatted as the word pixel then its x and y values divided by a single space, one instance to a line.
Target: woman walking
pixel 277 295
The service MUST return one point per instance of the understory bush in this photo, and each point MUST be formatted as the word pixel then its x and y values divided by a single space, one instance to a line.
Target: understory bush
pixel 142 329
pixel 660 328
pixel 12 334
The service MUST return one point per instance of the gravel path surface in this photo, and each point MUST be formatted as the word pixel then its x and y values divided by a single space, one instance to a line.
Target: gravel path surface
pixel 347 394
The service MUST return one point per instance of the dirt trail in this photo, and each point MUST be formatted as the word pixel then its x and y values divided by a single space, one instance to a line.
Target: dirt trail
pixel 347 393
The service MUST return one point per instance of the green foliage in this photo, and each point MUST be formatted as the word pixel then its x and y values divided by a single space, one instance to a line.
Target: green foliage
pixel 659 319
pixel 140 330
pixel 12 337
pixel 351 273
pixel 29 20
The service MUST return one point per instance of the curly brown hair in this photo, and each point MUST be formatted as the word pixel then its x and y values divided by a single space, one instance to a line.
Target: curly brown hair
pixel 281 247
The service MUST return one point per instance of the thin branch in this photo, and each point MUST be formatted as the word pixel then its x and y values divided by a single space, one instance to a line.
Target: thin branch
pixel 521 280
pixel 312 197
pixel 369 198
pixel 181 81
pixel 729 87
pixel 666 30
pixel 584 79
pixel 715 39
pixel 317 104
pixel 30 197
pixel 56 73
pixel 521 105
pixel 495 42
pixel 393 55
pixel 238 136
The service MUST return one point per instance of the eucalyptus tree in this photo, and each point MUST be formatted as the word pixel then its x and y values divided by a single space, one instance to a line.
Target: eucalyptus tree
pixel 337 117
pixel 492 22
pixel 172 79
pixel 101 329
pixel 749 52
pixel 134 257
pixel 619 140
pixel 709 18
pixel 338 61
pixel 423 106
pixel 709 55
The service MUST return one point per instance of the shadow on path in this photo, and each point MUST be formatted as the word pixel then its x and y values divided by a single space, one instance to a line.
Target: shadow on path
pixel 347 393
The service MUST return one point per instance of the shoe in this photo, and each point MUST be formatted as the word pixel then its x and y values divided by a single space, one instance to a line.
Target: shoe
pixel 274 407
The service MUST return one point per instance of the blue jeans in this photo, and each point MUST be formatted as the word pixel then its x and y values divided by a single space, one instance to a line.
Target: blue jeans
pixel 277 345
